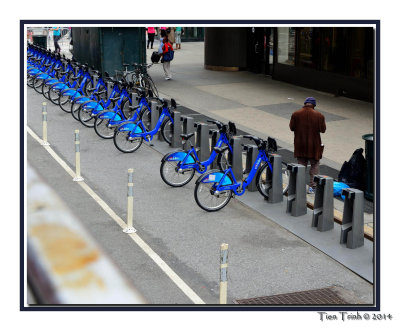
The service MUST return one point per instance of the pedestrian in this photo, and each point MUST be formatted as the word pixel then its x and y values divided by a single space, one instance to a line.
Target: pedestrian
pixel 163 32
pixel 56 38
pixel 151 32
pixel 171 35
pixel 179 31
pixel 307 124
pixel 164 48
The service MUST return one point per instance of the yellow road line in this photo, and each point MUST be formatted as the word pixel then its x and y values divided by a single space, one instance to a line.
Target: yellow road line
pixel 139 241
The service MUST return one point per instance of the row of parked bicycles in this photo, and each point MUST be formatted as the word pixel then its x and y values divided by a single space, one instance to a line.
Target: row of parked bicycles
pixel 104 103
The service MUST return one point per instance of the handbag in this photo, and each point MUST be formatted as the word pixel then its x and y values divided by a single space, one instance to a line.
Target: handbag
pixel 169 56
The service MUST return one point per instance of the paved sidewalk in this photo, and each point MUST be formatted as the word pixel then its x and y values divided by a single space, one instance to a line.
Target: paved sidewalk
pixel 262 106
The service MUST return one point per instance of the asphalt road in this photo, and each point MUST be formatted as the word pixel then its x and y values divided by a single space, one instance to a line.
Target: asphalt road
pixel 264 259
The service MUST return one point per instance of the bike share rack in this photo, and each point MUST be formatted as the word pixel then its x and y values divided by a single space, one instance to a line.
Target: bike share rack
pixel 251 156
pixel 177 130
pixel 202 140
pixel 214 133
pixel 236 162
pixel 352 231
pixel 188 127
pixel 296 202
pixel 154 114
pixel 274 191
pixel 322 217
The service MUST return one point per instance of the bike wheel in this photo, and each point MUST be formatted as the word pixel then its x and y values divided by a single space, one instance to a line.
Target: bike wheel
pixel 29 81
pixel 37 84
pixel 53 95
pixel 64 101
pixel 123 144
pixel 75 110
pixel 205 196
pixel 145 117
pixel 100 126
pixel 170 175
pixel 45 91
pixel 263 179
pixel 285 178
pixel 85 116
pixel 125 108
pixel 224 160
pixel 149 85
pixel 88 85
pixel 167 129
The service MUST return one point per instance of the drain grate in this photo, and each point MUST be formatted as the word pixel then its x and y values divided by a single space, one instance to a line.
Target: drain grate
pixel 324 296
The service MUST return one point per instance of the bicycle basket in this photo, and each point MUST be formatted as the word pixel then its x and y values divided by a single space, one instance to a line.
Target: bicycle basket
pixel 272 145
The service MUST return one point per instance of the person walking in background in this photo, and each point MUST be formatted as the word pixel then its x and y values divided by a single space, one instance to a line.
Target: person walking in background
pixel 151 32
pixel 165 46
pixel 171 35
pixel 307 124
pixel 178 33
pixel 163 33
pixel 56 38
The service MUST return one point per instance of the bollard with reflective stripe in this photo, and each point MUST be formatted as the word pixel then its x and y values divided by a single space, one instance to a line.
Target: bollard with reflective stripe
pixel 223 285
pixel 130 228
pixel 44 122
pixel 77 177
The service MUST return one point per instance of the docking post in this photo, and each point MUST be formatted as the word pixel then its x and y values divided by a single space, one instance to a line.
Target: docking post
pixel 44 121
pixel 223 285
pixel 77 177
pixel 130 228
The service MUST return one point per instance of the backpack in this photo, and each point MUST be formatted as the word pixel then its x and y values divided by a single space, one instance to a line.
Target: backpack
pixel 353 172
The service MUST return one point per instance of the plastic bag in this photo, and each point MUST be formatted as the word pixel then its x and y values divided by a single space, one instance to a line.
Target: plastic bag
pixel 337 189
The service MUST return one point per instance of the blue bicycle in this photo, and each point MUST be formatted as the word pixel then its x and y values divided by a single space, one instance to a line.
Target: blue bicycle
pixel 129 136
pixel 215 188
pixel 106 121
pixel 178 167
pixel 68 94
pixel 89 110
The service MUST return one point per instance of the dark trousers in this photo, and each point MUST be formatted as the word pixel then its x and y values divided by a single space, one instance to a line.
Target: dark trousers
pixel 56 45
pixel 150 39
pixel 314 169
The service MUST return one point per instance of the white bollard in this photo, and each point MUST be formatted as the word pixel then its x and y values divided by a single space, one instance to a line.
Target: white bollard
pixel 77 177
pixel 44 122
pixel 130 228
pixel 223 285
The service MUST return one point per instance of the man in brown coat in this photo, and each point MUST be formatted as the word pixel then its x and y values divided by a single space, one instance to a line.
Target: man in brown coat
pixel 307 124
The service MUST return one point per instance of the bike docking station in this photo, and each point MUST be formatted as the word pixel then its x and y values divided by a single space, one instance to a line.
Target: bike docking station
pixel 188 127
pixel 44 124
pixel 130 229
pixel 176 141
pixel 274 190
pixel 237 162
pixel 214 133
pixel 154 115
pixel 202 141
pixel 251 156
pixel 77 177
pixel 322 217
pixel 352 230
pixel 296 201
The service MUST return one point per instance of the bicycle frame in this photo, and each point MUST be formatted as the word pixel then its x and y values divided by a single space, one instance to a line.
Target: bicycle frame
pixel 190 159
pixel 117 116
pixel 138 130
pixel 224 183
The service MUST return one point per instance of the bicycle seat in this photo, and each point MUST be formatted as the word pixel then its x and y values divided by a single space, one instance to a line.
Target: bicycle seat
pixel 187 136
pixel 221 149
